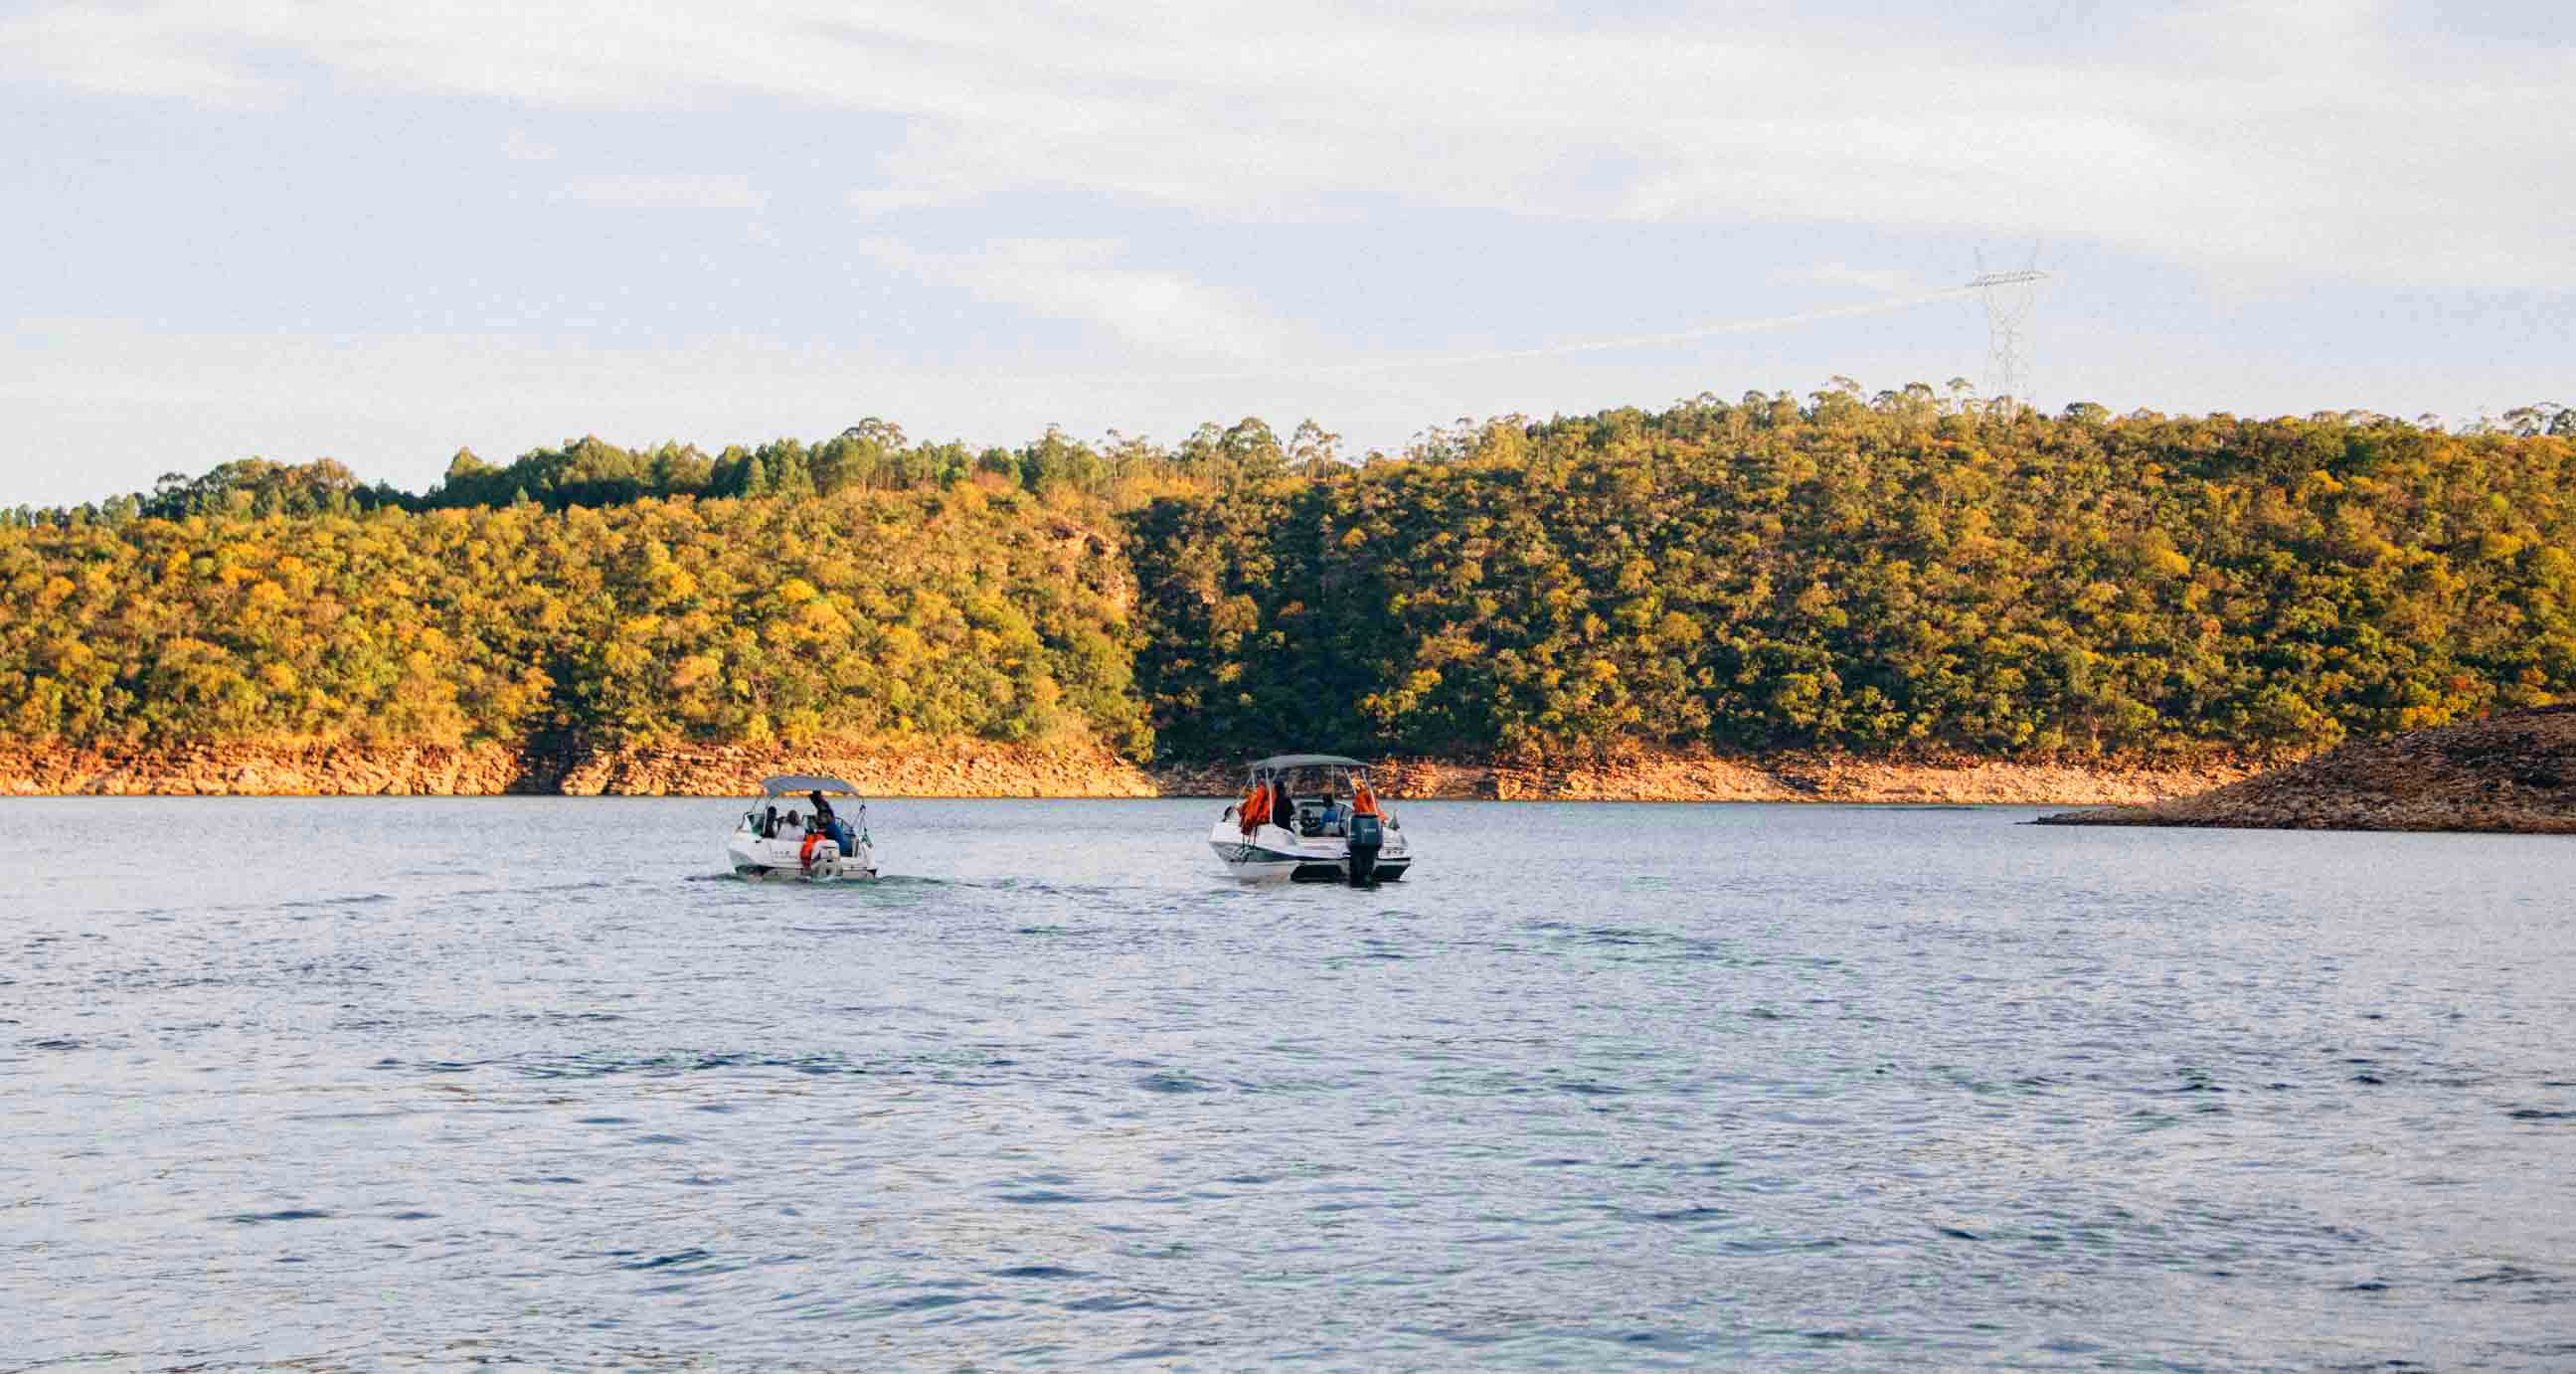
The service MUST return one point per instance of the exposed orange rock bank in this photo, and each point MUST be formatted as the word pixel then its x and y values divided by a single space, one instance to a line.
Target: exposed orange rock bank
pixel 1788 777
pixel 2515 771
pixel 980 769
pixel 1078 769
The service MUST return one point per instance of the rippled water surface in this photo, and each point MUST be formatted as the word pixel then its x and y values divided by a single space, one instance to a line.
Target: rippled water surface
pixel 400 1083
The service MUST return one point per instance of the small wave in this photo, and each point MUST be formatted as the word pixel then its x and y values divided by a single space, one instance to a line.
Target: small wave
pixel 2512 1274
pixel 926 1301
pixel 665 1261
pixel 322 903
pixel 1041 888
pixel 1172 1081
pixel 666 1065
pixel 1110 1302
pixel 289 1214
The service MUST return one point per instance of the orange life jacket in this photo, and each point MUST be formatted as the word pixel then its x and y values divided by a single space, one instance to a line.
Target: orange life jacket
pixel 1255 809
pixel 1363 801
pixel 805 855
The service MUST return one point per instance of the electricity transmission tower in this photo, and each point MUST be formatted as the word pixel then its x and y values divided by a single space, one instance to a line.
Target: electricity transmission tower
pixel 2008 297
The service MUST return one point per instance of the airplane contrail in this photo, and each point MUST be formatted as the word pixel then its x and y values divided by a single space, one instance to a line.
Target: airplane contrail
pixel 1591 345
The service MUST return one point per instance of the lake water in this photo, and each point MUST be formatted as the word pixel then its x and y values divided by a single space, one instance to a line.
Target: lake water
pixel 422 1083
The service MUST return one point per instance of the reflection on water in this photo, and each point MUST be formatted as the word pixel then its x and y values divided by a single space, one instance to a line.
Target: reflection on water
pixel 444 1082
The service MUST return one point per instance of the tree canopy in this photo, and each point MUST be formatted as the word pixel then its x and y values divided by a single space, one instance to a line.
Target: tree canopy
pixel 1899 572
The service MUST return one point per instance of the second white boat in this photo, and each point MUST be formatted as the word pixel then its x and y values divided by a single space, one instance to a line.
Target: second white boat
pixel 1311 818
pixel 816 843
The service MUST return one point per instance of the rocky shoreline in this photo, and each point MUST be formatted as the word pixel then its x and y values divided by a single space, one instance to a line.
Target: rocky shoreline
pixel 983 768
pixel 2512 772
pixel 1783 777
pixel 979 769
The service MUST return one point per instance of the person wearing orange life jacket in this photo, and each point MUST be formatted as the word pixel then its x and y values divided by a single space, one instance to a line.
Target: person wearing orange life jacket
pixel 1364 801
pixel 1255 809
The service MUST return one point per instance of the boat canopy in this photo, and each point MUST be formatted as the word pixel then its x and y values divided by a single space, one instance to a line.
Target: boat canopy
pixel 798 784
pixel 1278 763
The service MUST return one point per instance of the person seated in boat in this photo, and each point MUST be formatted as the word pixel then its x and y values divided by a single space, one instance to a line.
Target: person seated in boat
pixel 1332 816
pixel 769 823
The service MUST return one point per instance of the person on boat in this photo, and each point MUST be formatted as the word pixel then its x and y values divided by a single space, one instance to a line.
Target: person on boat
pixel 1363 801
pixel 833 826
pixel 1332 816
pixel 815 839
pixel 1255 809
pixel 769 823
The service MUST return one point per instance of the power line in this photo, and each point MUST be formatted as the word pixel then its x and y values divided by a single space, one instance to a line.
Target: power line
pixel 1706 331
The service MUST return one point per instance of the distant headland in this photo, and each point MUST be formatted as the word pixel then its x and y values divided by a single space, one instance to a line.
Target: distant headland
pixel 2514 772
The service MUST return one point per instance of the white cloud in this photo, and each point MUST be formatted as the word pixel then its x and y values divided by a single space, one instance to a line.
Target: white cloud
pixel 664 191
pixel 2307 135
pixel 1080 280
pixel 120 52
pixel 1876 281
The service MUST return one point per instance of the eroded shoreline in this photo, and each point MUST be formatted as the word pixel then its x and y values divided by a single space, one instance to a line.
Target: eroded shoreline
pixel 986 769
pixel 2510 773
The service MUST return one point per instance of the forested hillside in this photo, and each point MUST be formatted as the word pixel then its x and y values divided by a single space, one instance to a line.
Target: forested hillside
pixel 1874 577
pixel 933 614
pixel 1889 574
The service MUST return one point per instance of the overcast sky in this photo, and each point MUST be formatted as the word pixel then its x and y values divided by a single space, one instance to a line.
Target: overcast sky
pixel 380 232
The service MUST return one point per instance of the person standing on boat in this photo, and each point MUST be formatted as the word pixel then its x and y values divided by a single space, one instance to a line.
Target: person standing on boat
pixel 830 823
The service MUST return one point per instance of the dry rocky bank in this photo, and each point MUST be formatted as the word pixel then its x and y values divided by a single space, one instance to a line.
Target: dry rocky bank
pixel 2515 771
pixel 987 769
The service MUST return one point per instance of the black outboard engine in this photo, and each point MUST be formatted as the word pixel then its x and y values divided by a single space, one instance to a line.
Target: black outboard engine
pixel 1367 835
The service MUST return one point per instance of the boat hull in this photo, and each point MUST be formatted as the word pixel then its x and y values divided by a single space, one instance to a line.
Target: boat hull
pixel 1271 854
pixel 754 858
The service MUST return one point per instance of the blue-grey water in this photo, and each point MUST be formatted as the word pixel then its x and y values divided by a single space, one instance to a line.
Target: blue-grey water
pixel 419 1083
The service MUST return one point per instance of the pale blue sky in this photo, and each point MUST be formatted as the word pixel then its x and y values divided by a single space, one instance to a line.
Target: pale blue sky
pixel 273 228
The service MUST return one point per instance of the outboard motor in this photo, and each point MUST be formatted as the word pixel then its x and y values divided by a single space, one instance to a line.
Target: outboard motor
pixel 1367 836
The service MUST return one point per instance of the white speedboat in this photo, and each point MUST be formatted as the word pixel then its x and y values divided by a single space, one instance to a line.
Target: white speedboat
pixel 1311 818
pixel 795 831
